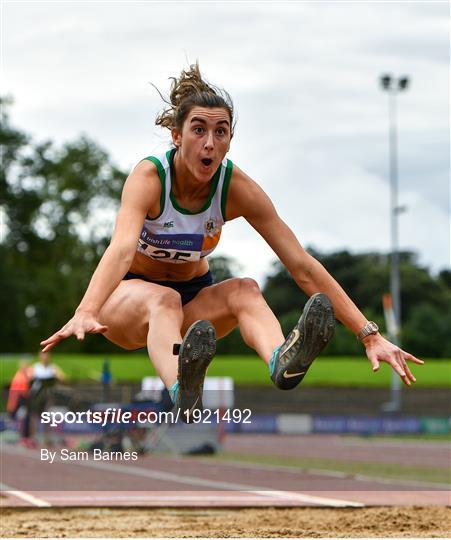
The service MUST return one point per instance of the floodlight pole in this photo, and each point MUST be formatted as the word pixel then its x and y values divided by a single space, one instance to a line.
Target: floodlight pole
pixel 393 87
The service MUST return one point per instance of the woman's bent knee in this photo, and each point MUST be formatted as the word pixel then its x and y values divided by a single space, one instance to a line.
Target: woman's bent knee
pixel 249 286
pixel 166 299
pixel 243 291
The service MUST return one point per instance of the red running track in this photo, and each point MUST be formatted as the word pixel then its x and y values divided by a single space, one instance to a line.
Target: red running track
pixel 188 481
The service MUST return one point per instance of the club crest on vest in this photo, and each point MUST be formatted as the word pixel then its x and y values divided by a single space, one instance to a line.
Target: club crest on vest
pixel 211 228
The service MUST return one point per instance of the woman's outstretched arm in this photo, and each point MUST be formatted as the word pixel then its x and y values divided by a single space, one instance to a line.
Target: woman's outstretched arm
pixel 247 199
pixel 141 189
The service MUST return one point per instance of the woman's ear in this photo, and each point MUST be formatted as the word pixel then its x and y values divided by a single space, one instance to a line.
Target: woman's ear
pixel 176 137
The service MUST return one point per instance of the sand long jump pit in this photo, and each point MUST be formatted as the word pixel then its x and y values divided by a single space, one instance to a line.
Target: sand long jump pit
pixel 135 522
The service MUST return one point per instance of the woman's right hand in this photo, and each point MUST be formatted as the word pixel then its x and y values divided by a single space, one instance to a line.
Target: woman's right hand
pixel 81 323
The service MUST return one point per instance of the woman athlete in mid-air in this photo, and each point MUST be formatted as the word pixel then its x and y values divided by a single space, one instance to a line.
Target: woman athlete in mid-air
pixel 152 286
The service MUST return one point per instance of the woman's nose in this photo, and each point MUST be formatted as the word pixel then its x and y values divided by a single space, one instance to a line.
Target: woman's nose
pixel 209 142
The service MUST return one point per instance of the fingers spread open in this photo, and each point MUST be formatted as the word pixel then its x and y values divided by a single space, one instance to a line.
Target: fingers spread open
pixel 403 363
pixel 409 373
pixel 75 327
pixel 53 340
pixel 412 358
pixel 395 365
pixel 372 357
pixel 400 371
pixel 56 336
pixel 50 345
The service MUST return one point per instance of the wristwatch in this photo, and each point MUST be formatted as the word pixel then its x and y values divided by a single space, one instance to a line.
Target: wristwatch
pixel 369 329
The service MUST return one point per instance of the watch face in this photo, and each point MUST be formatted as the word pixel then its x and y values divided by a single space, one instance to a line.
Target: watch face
pixel 372 327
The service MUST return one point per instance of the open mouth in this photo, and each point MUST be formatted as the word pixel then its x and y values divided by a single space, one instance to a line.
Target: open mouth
pixel 207 162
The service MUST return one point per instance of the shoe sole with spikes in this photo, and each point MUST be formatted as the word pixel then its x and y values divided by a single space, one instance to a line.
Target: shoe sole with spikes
pixel 196 352
pixel 311 334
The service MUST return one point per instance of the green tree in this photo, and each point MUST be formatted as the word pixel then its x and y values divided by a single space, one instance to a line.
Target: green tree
pixel 427 331
pixel 53 199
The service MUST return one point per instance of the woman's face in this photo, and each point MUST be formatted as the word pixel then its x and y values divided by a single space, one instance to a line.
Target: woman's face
pixel 203 141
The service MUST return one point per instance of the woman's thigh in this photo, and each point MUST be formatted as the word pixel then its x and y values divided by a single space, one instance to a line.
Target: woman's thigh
pixel 219 304
pixel 127 311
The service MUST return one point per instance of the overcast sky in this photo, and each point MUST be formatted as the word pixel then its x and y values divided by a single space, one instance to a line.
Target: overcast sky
pixel 312 119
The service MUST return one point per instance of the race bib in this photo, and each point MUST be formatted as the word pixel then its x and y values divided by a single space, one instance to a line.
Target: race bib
pixel 173 248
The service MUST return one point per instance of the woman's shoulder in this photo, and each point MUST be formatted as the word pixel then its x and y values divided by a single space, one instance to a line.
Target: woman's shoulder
pixel 143 183
pixel 241 183
pixel 144 173
pixel 244 193
pixel 161 160
pixel 145 166
pixel 152 163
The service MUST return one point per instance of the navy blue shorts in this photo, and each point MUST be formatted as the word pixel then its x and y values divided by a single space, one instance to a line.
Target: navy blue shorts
pixel 187 289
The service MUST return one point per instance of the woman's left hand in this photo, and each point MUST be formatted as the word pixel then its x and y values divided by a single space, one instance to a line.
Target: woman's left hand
pixel 379 349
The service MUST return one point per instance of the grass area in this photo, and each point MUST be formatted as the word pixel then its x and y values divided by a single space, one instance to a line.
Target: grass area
pixel 418 437
pixel 327 371
pixel 393 471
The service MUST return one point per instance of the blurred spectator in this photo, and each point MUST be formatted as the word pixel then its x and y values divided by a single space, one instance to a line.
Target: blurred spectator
pixel 44 375
pixel 19 388
pixel 106 380
pixel 44 369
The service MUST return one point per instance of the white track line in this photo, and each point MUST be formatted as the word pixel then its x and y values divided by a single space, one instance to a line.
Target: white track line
pixel 203 482
pixel 214 484
pixel 148 498
pixel 24 496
